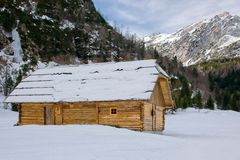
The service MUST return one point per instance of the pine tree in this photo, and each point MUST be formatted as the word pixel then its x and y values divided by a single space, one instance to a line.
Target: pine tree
pixel 19 78
pixel 116 56
pixel 14 107
pixel 155 54
pixel 198 100
pixel 185 94
pixel 226 101
pixel 234 105
pixel 7 83
pixel 210 104
pixel 184 102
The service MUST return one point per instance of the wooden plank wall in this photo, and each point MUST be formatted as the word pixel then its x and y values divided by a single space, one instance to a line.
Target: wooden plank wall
pixel 161 95
pixel 79 113
pixel 153 117
pixel 129 115
pixel 31 114
pixel 165 88
pixel 136 115
pixel 148 119
pixel 160 118
pixel 157 95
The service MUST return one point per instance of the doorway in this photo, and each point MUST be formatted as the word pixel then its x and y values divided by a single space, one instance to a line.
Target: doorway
pixel 48 118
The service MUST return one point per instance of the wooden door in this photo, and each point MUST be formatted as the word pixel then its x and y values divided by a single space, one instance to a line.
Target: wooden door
pixel 58 114
pixel 159 118
pixel 48 117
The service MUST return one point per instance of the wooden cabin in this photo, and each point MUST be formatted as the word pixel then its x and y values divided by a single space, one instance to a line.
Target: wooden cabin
pixel 131 94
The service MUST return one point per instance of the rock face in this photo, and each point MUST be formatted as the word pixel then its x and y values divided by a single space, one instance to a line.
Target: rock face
pixel 48 29
pixel 215 38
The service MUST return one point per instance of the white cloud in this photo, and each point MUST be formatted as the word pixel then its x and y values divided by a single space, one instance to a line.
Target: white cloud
pixel 127 16
pixel 148 16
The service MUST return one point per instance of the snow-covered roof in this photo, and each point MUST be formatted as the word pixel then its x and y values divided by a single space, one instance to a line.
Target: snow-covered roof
pixel 132 80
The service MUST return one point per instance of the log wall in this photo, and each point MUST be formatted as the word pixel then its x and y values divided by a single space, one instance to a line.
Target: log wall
pixel 79 113
pixel 129 114
pixel 135 115
pixel 31 114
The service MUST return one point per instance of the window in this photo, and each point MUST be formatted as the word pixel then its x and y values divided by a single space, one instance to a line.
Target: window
pixel 113 111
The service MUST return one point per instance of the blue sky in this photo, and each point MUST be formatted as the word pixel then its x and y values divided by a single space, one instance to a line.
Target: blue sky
pixel 165 16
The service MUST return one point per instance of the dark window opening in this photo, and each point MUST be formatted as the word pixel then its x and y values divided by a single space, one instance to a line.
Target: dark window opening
pixel 113 111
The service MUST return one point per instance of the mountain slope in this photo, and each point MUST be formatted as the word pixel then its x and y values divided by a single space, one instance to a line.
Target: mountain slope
pixel 215 38
pixel 63 31
pixel 51 28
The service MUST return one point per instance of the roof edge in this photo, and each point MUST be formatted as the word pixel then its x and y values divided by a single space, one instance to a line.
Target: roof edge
pixel 80 101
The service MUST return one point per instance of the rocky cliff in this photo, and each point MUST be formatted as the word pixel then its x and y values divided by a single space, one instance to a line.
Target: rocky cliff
pixel 210 39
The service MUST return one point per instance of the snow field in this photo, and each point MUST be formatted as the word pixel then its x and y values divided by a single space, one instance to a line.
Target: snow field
pixel 189 135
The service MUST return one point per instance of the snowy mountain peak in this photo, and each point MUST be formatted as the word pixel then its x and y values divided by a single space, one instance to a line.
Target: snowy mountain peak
pixel 224 15
pixel 214 38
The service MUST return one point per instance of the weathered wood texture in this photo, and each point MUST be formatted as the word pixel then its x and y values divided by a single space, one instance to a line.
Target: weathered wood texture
pixel 165 90
pixel 161 95
pixel 157 96
pixel 32 114
pixel 58 114
pixel 136 115
pixel 153 117
pixel 148 120
pixel 128 115
pixel 160 118
pixel 79 113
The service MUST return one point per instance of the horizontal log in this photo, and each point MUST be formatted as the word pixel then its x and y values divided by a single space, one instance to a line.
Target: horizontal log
pixel 35 123
pixel 79 122
pixel 32 109
pixel 79 112
pixel 32 118
pixel 32 121
pixel 74 119
pixel 121 120
pixel 32 114
pixel 81 109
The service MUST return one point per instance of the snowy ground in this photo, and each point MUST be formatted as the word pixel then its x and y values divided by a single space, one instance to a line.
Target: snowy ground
pixel 189 135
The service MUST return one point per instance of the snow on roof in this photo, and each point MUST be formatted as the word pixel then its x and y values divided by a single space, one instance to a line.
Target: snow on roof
pixel 133 80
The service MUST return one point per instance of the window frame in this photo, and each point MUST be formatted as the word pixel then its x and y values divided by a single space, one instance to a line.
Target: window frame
pixel 113 108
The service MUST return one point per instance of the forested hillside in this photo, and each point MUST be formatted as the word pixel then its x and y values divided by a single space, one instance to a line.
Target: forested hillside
pixel 204 84
pixel 51 29
pixel 61 31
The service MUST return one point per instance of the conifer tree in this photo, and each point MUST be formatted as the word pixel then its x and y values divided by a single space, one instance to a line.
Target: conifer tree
pixel 155 54
pixel 234 103
pixel 226 101
pixel 7 83
pixel 198 100
pixel 185 94
pixel 210 104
